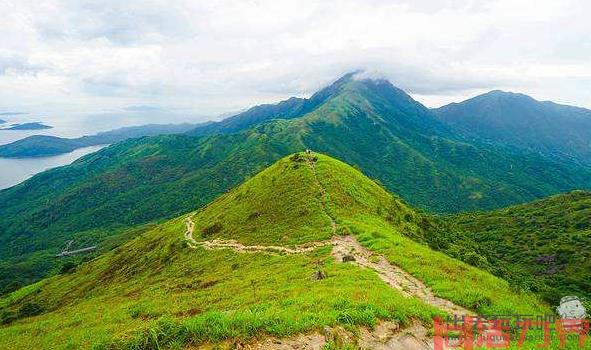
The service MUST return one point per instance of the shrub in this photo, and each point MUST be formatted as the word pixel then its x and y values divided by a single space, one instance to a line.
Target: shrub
pixel 7 317
pixel 30 308
pixel 68 267
pixel 211 230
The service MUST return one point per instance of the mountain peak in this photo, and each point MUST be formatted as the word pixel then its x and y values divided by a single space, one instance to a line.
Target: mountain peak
pixel 360 76
pixel 517 120
pixel 501 94
pixel 490 100
pixel 287 201
pixel 364 82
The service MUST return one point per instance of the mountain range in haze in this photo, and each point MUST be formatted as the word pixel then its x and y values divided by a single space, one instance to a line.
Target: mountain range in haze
pixel 517 120
pixel 27 126
pixel 503 118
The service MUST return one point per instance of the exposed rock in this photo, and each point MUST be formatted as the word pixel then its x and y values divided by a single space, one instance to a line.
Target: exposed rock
pixel 319 275
pixel 348 257
pixel 327 332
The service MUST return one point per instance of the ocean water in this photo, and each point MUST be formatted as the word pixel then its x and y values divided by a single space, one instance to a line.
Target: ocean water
pixel 14 171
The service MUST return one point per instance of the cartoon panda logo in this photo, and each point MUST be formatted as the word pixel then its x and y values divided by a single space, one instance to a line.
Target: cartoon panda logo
pixel 571 308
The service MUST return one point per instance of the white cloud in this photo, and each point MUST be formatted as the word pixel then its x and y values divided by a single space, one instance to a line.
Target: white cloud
pixel 207 57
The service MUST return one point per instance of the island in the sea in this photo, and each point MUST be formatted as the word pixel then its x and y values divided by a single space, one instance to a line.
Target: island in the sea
pixel 46 145
pixel 27 126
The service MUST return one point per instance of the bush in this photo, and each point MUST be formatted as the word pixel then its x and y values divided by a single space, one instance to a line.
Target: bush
pixel 30 308
pixel 11 287
pixel 211 230
pixel 68 267
pixel 475 259
pixel 7 317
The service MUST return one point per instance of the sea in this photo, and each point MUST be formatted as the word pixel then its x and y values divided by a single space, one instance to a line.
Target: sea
pixel 15 171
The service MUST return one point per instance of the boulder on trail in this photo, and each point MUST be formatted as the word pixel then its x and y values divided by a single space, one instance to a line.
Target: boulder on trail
pixel 348 257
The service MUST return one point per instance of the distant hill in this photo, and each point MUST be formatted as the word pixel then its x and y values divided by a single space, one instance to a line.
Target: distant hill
pixel 542 246
pixel 517 120
pixel 369 124
pixel 43 146
pixel 27 126
pixel 305 252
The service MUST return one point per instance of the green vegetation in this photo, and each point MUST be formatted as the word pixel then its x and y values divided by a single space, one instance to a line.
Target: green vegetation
pixel 541 246
pixel 43 145
pixel 369 124
pixel 518 121
pixel 156 292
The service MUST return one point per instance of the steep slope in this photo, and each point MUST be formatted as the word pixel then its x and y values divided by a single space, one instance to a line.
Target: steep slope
pixel 543 245
pixel 367 123
pixel 520 121
pixel 181 284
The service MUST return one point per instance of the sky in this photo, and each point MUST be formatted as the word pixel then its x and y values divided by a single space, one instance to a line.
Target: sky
pixel 110 63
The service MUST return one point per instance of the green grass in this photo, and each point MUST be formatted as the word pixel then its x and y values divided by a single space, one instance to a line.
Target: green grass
pixel 218 287
pixel 154 292
pixel 267 211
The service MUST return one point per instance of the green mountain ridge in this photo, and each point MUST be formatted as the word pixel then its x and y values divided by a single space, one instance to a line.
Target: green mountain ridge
pixel 291 108
pixel 156 291
pixel 517 120
pixel 369 124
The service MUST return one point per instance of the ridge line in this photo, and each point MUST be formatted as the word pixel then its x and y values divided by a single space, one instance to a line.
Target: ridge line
pixel 345 249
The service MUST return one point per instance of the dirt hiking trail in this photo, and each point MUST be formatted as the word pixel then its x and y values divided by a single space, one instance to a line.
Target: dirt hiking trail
pixel 386 335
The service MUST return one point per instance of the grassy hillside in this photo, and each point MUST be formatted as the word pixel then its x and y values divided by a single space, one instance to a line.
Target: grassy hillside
pixel 542 246
pixel 103 194
pixel 369 124
pixel 157 292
